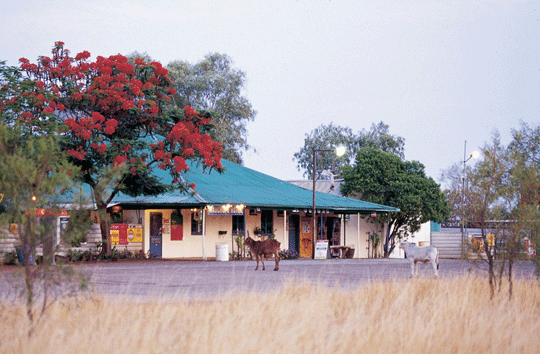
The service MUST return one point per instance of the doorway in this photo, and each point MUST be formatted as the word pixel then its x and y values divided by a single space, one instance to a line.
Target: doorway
pixel 294 232
pixel 156 232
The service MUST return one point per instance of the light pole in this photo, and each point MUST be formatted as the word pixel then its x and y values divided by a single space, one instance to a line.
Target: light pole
pixel 339 151
pixel 474 155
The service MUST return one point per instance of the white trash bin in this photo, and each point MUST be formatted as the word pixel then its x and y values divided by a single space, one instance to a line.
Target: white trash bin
pixel 222 252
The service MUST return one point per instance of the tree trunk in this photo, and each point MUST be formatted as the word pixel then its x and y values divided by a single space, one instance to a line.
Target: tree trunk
pixel 510 283
pixel 491 268
pixel 101 206
pixel 105 234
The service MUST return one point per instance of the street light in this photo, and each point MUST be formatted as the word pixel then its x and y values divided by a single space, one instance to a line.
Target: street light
pixel 474 155
pixel 339 151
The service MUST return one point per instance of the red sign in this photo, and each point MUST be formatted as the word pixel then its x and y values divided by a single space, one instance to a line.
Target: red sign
pixel 119 234
pixel 177 232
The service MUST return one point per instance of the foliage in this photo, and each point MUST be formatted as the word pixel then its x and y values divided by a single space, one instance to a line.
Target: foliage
pixel 34 174
pixel 79 224
pixel 9 258
pixel 524 191
pixel 79 256
pixel 89 255
pixel 331 136
pixel 501 197
pixel 375 240
pixel 239 240
pixel 325 137
pixel 111 114
pixel 383 178
pixel 379 137
pixel 288 254
pixel 214 86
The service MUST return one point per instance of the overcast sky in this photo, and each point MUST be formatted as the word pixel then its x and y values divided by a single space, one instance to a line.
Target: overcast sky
pixel 437 72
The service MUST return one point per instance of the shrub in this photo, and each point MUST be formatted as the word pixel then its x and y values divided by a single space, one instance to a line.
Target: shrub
pixel 9 258
pixel 288 254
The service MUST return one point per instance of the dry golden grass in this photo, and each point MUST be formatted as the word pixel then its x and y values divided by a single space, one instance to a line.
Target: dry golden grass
pixel 451 315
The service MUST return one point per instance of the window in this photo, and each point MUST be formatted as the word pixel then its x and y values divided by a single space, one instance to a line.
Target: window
pixel 238 227
pixel 267 222
pixel 196 222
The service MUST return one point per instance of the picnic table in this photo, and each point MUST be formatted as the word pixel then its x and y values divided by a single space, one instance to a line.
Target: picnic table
pixel 341 251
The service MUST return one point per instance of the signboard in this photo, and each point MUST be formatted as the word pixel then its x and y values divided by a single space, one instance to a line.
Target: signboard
pixel 226 209
pixel 321 249
pixel 122 234
pixel 134 233
pixel 119 234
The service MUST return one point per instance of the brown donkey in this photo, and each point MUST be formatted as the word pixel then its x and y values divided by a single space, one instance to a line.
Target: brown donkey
pixel 264 248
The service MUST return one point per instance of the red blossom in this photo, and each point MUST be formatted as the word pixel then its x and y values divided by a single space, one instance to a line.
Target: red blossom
pixel 180 164
pixel 48 110
pixel 86 134
pixel 82 56
pixel 110 126
pixel 104 98
pixel 119 160
pixel 127 105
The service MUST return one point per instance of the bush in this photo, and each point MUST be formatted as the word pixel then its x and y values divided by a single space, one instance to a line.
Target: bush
pixel 288 254
pixel 9 258
pixel 79 256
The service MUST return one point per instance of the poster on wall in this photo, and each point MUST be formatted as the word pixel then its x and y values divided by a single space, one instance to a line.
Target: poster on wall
pixel 119 234
pixel 134 233
pixel 306 242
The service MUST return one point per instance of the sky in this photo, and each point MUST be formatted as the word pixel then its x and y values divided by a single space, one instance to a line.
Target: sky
pixel 438 73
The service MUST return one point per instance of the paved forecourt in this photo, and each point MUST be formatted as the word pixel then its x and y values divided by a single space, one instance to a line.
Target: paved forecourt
pixel 205 280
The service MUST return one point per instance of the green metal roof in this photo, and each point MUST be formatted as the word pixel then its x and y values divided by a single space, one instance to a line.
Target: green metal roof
pixel 241 185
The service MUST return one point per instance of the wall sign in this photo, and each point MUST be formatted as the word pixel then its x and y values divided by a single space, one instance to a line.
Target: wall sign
pixel 122 234
pixel 226 209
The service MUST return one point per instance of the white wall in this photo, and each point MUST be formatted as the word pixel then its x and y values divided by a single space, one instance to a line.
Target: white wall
pixel 193 245
pixel 422 238
pixel 356 234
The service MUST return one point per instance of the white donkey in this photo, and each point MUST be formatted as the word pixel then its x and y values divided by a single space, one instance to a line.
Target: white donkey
pixel 421 254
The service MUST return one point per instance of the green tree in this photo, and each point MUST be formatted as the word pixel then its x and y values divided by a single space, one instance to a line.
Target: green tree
pixel 379 137
pixel 326 137
pixel 35 174
pixel 136 55
pixel 383 178
pixel 525 185
pixel 214 86
pixel 501 198
pixel 486 187
pixel 331 136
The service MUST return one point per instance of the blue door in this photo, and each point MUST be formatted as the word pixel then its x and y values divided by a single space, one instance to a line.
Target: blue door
pixel 156 230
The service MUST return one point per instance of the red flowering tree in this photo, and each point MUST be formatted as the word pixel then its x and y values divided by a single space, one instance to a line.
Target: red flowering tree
pixel 111 117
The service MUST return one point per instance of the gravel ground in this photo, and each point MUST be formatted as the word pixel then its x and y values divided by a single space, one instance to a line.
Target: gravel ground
pixel 206 280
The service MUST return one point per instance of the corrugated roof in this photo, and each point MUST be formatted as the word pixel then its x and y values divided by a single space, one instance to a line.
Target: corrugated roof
pixel 241 185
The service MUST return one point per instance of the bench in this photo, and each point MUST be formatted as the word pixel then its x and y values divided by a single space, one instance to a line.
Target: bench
pixel 340 251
